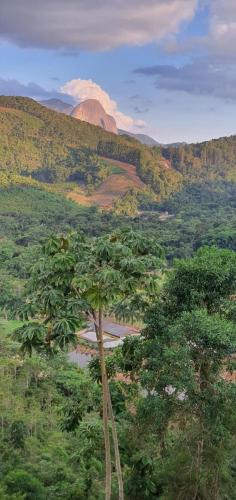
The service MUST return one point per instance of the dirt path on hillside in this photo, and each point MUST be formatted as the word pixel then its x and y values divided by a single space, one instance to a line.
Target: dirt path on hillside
pixel 115 186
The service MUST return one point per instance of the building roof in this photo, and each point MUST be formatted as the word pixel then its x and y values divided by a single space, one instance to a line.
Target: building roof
pixel 113 334
pixel 90 336
pixel 117 330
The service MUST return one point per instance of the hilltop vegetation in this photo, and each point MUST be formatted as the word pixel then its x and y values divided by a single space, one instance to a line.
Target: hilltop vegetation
pixel 53 147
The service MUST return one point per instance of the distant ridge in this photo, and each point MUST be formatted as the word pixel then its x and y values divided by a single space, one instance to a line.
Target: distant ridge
pixel 147 140
pixel 143 138
pixel 58 105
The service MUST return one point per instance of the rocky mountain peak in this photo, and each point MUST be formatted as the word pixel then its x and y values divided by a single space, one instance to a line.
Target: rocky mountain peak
pixel 92 111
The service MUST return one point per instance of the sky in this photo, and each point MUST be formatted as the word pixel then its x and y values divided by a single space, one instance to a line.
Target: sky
pixel 166 68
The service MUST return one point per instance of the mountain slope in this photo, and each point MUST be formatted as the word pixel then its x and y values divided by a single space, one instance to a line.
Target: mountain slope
pixel 54 148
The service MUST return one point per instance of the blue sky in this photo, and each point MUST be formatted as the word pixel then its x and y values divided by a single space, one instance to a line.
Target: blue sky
pixel 162 67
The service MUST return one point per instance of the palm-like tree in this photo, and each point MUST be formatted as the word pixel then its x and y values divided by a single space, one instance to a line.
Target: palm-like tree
pixel 78 279
pixel 31 337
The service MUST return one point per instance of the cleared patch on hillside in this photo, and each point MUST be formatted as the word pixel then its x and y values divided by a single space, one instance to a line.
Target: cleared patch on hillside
pixel 115 186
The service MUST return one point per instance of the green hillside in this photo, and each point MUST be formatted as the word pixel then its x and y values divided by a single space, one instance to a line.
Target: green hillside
pixel 53 147
pixel 210 160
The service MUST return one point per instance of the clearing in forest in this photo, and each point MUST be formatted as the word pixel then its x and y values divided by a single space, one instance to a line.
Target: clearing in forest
pixel 113 187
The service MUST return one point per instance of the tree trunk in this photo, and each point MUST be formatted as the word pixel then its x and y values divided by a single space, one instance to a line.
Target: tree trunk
pixel 116 448
pixel 105 407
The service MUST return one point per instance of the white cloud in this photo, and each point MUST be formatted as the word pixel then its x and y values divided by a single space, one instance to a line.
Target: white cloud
pixel 220 40
pixel 81 90
pixel 92 24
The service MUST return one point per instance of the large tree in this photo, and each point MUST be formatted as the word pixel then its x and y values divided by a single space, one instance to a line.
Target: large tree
pixel 188 406
pixel 80 279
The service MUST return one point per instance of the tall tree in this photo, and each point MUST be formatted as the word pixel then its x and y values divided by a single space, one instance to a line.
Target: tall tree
pixel 79 279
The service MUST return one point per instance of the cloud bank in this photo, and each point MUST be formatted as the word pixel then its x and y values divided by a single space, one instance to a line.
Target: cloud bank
pixel 91 24
pixel 199 78
pixel 81 90
pixel 15 88
pixel 214 73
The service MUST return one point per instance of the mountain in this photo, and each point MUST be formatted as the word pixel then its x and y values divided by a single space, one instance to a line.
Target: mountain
pixel 49 147
pixel 58 105
pixel 146 139
pixel 149 141
pixel 143 138
pixel 49 150
pixel 92 111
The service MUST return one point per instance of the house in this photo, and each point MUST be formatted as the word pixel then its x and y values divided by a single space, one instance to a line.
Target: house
pixel 113 334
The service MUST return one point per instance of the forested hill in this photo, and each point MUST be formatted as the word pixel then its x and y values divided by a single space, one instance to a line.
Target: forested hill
pixel 54 147
pixel 210 160
pixel 51 147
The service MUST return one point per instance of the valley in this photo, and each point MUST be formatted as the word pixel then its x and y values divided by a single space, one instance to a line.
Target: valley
pixel 96 225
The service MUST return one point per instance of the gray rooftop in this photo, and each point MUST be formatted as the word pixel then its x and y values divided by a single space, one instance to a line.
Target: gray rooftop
pixel 117 330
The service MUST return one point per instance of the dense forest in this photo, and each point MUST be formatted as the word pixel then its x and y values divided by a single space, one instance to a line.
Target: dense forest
pixel 197 216
pixel 210 160
pixel 173 443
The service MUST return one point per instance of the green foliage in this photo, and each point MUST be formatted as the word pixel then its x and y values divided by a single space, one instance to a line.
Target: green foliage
pixel 76 277
pixel 50 428
pixel 151 167
pixel 187 408
pixel 25 484
pixel 176 415
pixel 202 215
pixel 27 217
pixel 210 160
pixel 203 281
pixel 52 147
pixel 127 204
